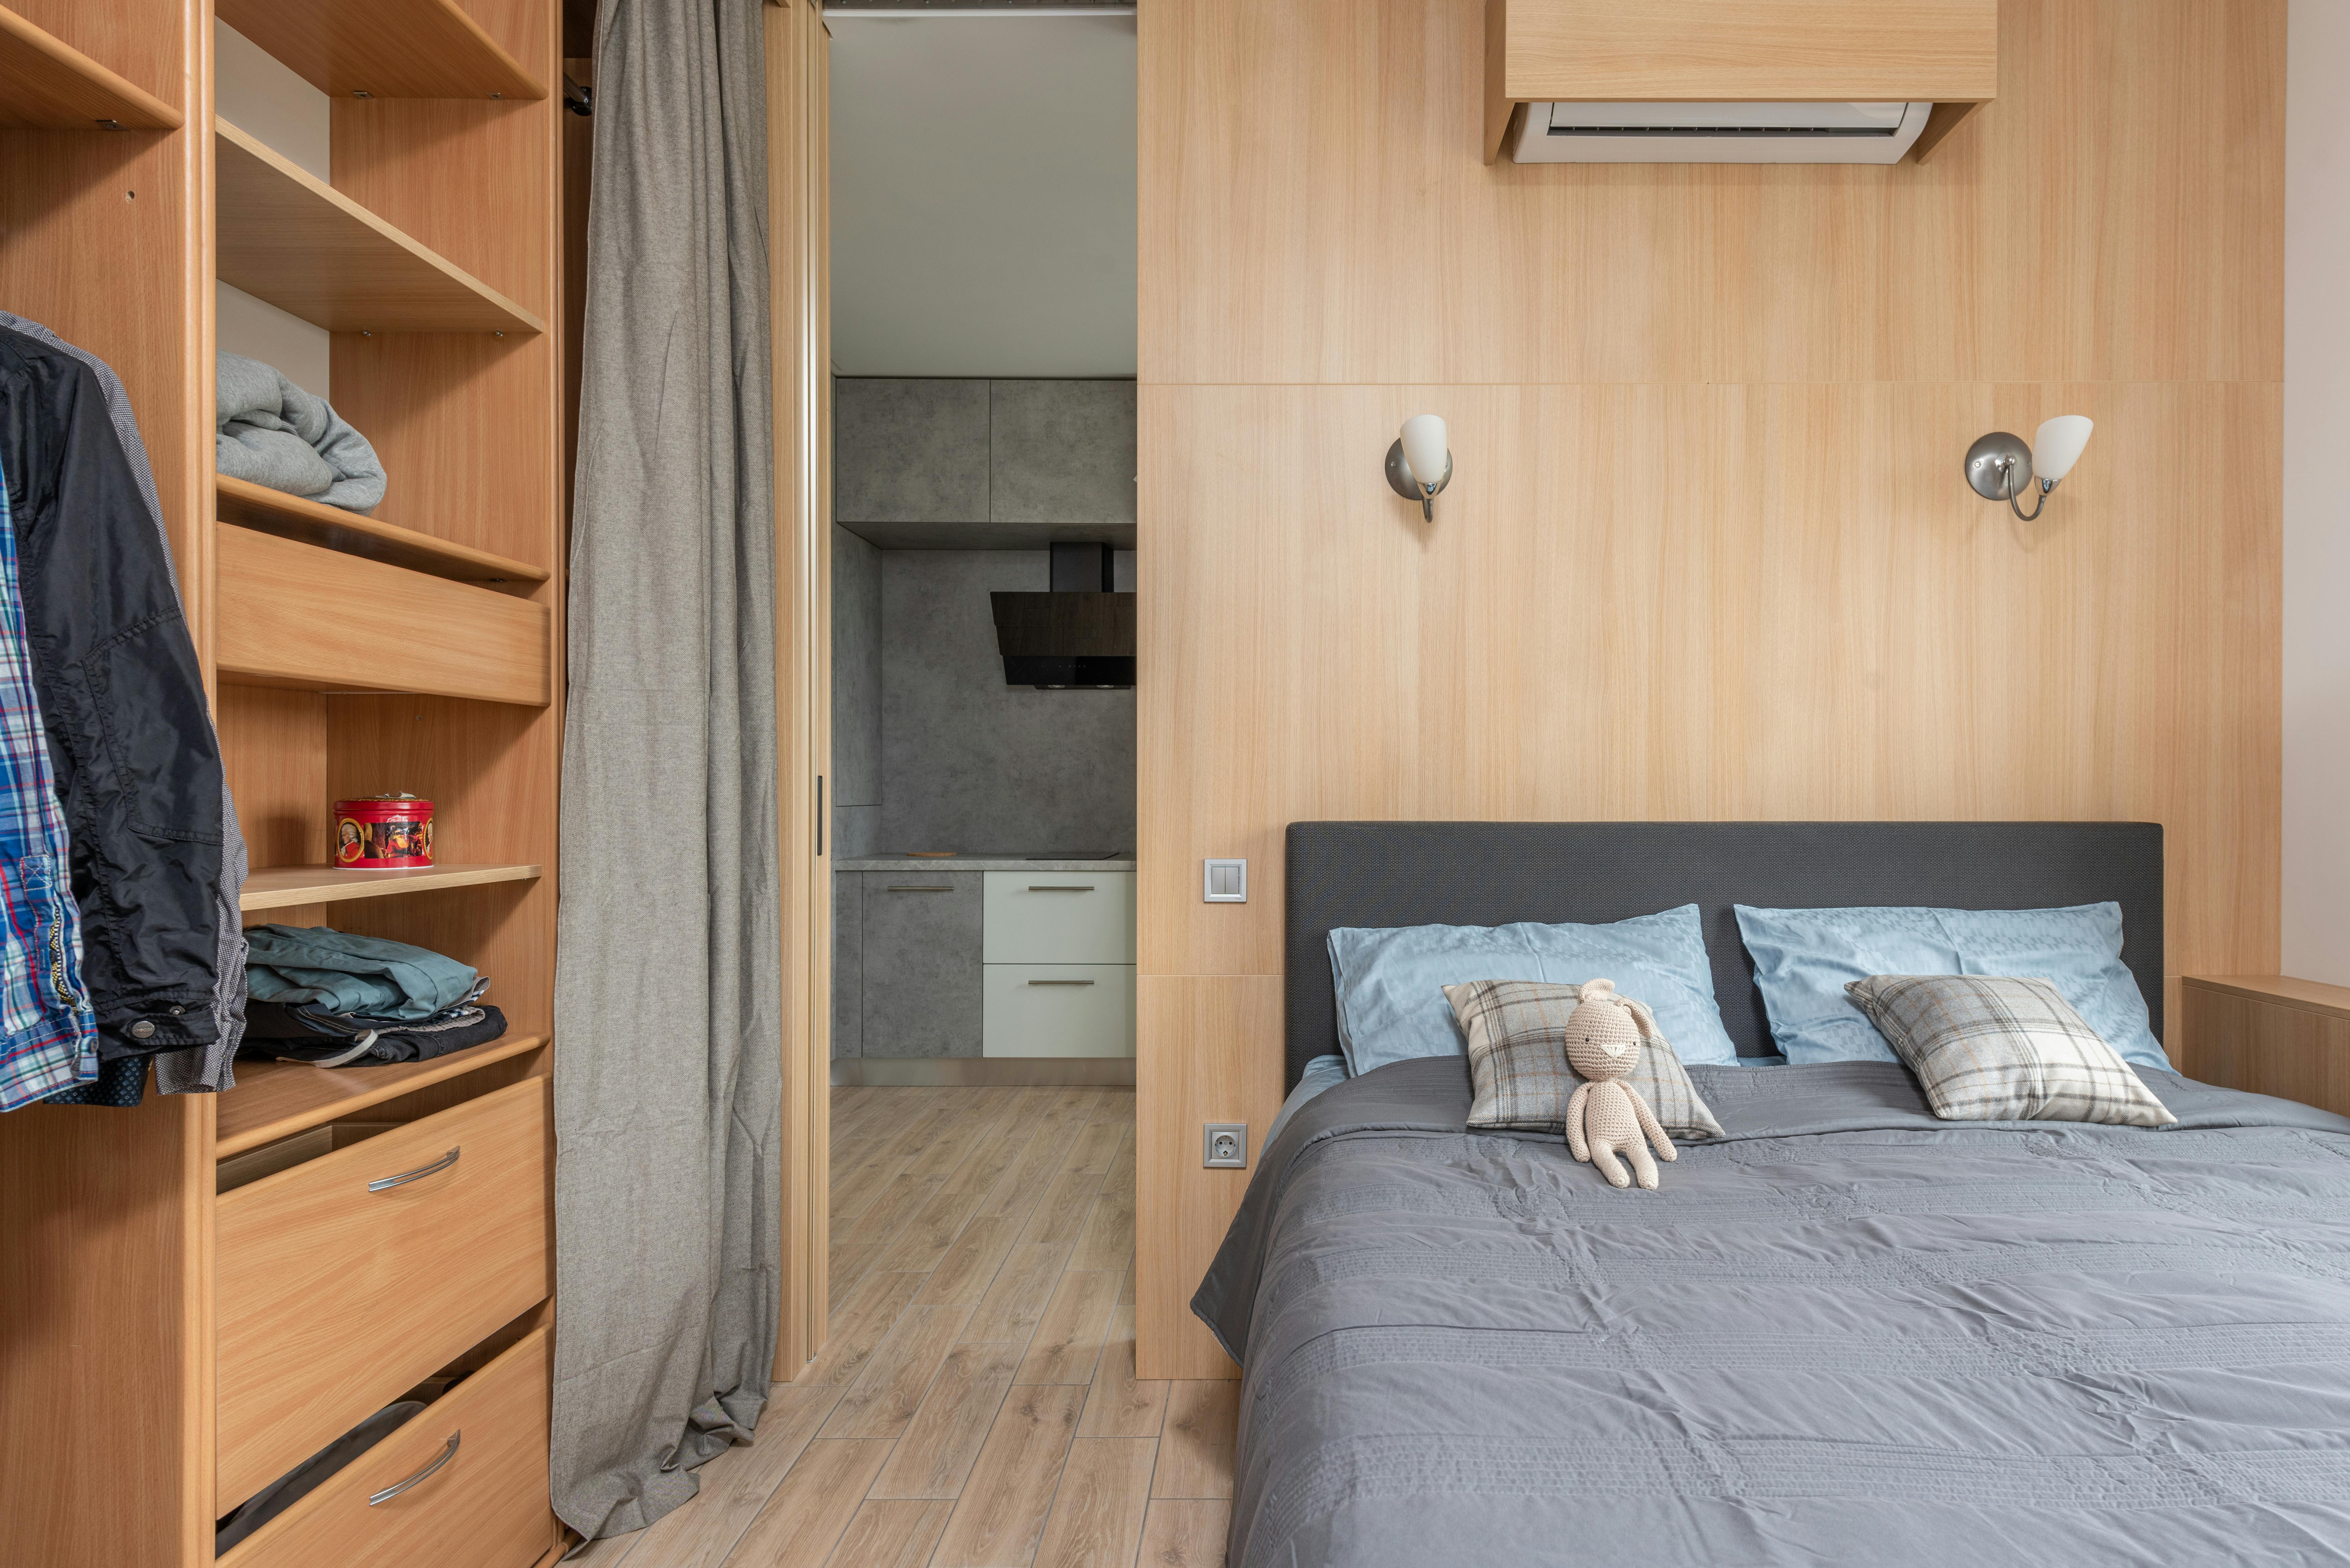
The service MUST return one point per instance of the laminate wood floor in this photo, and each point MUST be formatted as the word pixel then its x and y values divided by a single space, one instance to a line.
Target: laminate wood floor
pixel 976 1406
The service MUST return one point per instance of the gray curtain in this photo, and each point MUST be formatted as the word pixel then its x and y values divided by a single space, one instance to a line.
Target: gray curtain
pixel 667 986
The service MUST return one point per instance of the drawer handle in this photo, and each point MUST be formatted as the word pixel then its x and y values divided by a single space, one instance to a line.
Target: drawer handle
pixel 1059 887
pixel 421 1477
pixel 386 1183
pixel 918 889
pixel 1060 982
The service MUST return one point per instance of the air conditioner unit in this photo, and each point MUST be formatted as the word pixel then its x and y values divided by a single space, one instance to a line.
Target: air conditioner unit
pixel 1718 133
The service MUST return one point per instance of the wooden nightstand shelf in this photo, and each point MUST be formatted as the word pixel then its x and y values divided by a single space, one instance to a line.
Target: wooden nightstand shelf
pixel 2269 1034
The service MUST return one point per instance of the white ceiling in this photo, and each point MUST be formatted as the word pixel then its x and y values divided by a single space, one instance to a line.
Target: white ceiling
pixel 982 195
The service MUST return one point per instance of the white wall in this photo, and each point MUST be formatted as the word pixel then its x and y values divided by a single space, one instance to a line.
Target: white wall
pixel 984 197
pixel 268 102
pixel 2317 494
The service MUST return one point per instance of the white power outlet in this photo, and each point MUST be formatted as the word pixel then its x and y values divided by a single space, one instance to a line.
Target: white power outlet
pixel 1226 1146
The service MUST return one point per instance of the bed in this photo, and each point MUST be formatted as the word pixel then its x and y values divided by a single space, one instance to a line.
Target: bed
pixel 1844 1332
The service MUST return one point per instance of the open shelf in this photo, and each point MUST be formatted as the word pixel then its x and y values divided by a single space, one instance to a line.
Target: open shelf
pixel 277 1099
pixel 383 48
pixel 296 615
pixel 290 238
pixel 290 886
pixel 47 84
pixel 258 507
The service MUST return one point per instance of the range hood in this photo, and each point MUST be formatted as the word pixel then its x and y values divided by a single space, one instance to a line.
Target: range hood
pixel 1079 635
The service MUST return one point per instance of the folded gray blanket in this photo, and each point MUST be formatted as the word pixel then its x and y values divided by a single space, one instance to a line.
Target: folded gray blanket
pixel 273 432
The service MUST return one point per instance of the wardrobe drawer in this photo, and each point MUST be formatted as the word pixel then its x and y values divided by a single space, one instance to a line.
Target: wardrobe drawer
pixel 484 1504
pixel 334 1299
pixel 1060 917
pixel 1059 1010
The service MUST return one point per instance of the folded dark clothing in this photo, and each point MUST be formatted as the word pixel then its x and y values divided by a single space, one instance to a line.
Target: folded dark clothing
pixel 303 1033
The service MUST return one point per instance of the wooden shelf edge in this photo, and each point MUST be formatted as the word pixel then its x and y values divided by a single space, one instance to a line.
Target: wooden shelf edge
pixel 489 71
pixel 292 886
pixel 519 83
pixel 28 52
pixel 294 615
pixel 234 143
pixel 2279 991
pixel 282 1099
pixel 244 505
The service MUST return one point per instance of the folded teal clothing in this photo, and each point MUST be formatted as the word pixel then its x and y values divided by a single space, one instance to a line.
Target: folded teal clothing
pixel 347 973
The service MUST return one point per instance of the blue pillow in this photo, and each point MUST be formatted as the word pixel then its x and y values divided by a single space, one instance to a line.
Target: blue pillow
pixel 1390 980
pixel 1803 958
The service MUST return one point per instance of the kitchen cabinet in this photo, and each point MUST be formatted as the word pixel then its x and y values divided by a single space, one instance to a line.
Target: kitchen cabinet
pixel 1059 1010
pixel 1060 917
pixel 922 963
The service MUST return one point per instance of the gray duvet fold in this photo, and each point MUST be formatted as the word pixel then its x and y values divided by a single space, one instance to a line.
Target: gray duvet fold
pixel 275 434
pixel 1845 1333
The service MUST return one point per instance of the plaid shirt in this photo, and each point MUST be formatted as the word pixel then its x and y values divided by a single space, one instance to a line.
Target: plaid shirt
pixel 48 1035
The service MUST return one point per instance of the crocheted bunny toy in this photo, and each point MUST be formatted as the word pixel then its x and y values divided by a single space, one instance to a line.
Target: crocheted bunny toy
pixel 1606 1117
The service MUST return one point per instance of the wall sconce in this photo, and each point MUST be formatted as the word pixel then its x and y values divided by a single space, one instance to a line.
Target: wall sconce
pixel 1420 449
pixel 2000 465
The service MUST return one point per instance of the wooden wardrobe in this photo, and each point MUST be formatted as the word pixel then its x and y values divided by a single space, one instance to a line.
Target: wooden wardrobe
pixel 197 1294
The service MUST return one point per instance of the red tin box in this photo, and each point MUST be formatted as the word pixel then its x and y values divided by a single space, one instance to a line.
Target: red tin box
pixel 383 832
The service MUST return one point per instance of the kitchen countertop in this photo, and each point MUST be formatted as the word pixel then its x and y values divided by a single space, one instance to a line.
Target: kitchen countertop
pixel 974 863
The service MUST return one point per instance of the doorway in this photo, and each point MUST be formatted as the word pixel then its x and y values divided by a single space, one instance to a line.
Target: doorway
pixel 969 917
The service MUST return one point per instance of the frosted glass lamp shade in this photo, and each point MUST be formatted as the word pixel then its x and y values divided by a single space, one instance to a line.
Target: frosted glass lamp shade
pixel 2056 446
pixel 1425 450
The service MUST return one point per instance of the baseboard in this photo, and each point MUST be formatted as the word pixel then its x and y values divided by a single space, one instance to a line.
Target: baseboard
pixel 978 1072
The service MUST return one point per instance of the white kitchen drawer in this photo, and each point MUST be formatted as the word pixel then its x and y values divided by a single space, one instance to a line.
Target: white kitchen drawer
pixel 1060 917
pixel 1059 1010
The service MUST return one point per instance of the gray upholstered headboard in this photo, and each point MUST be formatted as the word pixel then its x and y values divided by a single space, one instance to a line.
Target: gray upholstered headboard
pixel 1492 872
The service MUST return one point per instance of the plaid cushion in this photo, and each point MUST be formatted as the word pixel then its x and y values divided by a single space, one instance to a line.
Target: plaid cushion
pixel 1517 1061
pixel 1987 1048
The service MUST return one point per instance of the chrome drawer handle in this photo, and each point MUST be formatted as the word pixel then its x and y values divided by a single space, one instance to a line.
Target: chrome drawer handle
pixel 421 1477
pixel 1060 982
pixel 386 1183
pixel 1057 887
pixel 918 889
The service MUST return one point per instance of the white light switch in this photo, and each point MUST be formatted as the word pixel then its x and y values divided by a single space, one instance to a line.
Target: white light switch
pixel 1226 883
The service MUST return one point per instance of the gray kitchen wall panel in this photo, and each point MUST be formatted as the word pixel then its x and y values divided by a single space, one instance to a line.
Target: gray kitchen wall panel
pixel 856 831
pixel 910 452
pixel 848 966
pixel 1061 451
pixel 969 762
pixel 856 671
pixel 923 964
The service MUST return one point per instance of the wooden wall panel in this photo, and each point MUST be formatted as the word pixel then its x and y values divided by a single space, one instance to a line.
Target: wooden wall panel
pixel 1729 49
pixel 102 238
pixel 469 426
pixel 1708 554
pixel 1313 208
pixel 1670 602
pixel 105 1235
pixel 273 743
pixel 1229 1068
pixel 489 768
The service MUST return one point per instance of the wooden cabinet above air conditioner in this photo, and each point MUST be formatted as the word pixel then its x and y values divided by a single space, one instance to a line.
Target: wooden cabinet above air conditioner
pixel 1538 52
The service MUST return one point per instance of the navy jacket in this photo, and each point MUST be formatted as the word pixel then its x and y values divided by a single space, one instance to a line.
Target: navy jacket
pixel 122 698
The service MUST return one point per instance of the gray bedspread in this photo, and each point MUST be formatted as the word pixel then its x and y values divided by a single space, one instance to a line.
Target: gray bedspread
pixel 1847 1333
